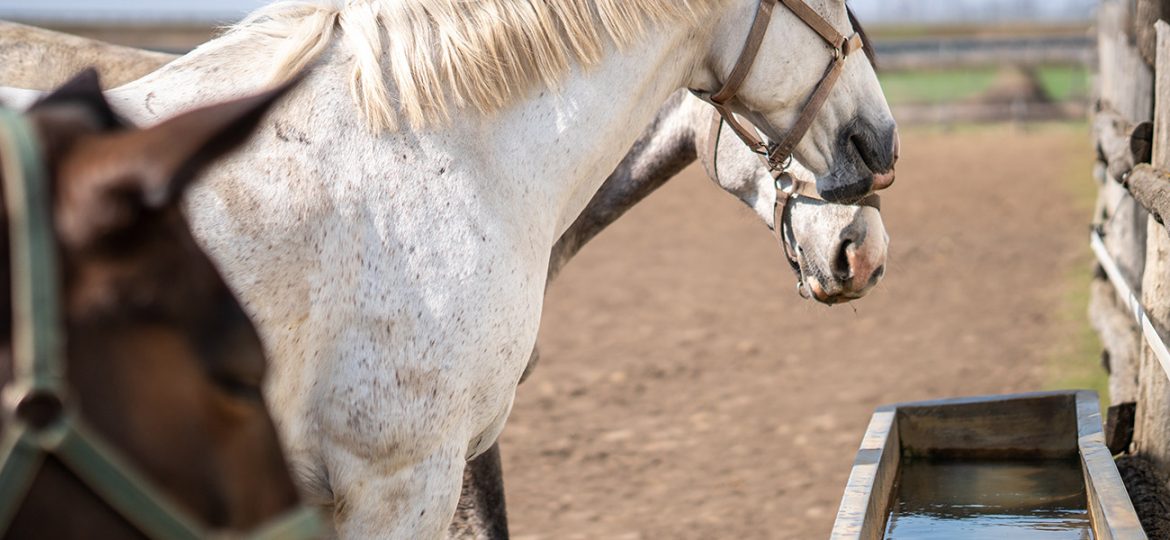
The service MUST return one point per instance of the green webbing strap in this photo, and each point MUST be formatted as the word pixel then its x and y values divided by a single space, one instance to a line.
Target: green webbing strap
pixel 21 459
pixel 302 523
pixel 35 332
pixel 36 322
pixel 117 483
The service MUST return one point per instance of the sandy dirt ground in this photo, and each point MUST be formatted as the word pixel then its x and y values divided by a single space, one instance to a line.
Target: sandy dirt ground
pixel 686 391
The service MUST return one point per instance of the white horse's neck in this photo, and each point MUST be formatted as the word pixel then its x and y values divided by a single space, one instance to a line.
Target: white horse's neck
pixel 558 144
pixel 567 142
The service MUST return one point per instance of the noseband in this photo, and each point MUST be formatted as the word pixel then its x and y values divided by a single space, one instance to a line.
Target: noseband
pixel 778 155
pixel 789 188
pixel 38 416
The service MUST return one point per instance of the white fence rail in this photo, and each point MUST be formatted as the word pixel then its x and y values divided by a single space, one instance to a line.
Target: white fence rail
pixel 1152 336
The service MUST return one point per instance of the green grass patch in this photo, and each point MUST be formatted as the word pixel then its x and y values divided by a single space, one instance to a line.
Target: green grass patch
pixel 952 85
pixel 1075 361
pixel 1064 82
pixel 954 30
pixel 934 86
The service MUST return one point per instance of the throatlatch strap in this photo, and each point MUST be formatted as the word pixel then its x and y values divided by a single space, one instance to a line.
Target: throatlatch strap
pixel 747 56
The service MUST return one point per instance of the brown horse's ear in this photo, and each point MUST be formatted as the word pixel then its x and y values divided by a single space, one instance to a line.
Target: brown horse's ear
pixel 84 90
pixel 173 153
pixel 110 181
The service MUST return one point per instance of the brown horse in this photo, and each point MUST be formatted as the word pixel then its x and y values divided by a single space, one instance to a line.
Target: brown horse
pixel 161 361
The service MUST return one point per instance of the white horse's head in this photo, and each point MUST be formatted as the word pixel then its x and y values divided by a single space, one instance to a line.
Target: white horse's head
pixel 838 251
pixel 852 144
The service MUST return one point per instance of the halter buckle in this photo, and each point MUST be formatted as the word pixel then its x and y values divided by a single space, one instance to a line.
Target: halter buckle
pixel 778 166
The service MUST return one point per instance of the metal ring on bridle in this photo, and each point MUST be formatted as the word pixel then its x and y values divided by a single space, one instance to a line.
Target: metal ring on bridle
pixel 782 166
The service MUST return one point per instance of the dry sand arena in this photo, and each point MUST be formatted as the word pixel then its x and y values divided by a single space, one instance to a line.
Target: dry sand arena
pixel 686 391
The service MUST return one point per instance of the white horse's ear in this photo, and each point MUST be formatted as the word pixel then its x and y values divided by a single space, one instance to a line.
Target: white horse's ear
pixel 169 156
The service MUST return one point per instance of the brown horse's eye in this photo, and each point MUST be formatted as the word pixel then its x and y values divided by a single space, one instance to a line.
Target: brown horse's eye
pixel 238 388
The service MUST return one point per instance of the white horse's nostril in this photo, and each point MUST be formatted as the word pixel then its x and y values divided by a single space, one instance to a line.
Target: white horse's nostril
pixel 897 144
pixel 843 262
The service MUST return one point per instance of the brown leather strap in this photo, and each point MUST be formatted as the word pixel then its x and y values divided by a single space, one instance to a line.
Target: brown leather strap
pixel 785 194
pixel 782 209
pixel 745 134
pixel 816 22
pixel 796 186
pixel 815 102
pixel 747 56
pixel 778 153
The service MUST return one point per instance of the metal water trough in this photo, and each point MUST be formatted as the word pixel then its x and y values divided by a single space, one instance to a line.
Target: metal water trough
pixel 1038 426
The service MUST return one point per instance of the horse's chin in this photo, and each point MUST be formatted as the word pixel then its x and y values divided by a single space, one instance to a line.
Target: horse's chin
pixel 809 287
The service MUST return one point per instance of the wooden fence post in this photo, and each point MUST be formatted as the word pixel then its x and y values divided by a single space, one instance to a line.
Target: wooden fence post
pixel 1152 424
pixel 1125 87
pixel 1146 14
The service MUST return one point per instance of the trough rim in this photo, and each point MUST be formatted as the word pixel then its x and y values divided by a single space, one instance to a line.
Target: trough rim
pixel 1112 511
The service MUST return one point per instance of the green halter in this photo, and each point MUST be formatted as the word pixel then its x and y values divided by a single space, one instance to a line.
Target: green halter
pixel 39 376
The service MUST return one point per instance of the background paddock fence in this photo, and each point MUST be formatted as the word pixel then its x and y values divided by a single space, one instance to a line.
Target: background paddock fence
pixel 1130 295
pixel 981 51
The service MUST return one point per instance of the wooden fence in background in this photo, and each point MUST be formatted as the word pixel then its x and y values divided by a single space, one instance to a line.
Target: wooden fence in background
pixel 1130 294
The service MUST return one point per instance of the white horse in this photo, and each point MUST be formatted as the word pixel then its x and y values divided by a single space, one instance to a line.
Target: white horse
pixel 837 241
pixel 396 268
pixel 840 249
pixel 826 235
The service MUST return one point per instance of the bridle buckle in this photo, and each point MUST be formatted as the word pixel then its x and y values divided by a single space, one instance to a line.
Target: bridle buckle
pixel 780 166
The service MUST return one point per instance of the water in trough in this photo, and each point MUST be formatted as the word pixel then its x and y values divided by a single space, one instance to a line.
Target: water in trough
pixel 992 500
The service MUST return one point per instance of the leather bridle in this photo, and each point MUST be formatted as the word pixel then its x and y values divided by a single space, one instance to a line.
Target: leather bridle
pixel 39 419
pixel 779 154
pixel 789 189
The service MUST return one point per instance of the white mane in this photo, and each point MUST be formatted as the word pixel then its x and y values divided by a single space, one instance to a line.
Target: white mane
pixel 482 53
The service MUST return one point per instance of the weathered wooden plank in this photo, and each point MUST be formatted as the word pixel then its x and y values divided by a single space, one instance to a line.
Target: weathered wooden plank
pixel 1120 142
pixel 1152 424
pixel 1124 85
pixel 1119 427
pixel 1124 79
pixel 1146 13
pixel 1150 187
pixel 1117 331
pixel 864 506
pixel 1039 426
pixel 1114 517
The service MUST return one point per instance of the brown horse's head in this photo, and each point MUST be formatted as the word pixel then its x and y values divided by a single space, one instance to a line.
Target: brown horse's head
pixel 162 362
